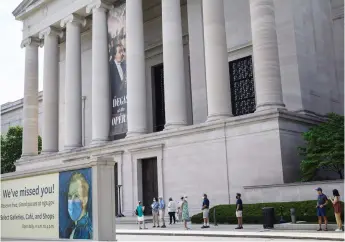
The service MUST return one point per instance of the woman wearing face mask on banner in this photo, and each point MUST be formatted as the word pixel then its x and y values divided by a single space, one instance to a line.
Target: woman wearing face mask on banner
pixel 77 206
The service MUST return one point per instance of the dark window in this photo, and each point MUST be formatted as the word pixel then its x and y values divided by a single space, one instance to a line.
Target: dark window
pixel 158 98
pixel 242 86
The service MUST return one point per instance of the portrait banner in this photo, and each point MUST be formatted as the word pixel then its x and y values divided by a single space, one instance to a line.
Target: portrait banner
pixel 117 69
pixel 52 206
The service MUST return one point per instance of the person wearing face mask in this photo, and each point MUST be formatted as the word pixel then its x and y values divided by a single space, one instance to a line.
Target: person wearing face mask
pixel 155 212
pixel 162 211
pixel 239 209
pixel 205 210
pixel 140 213
pixel 172 210
pixel 185 212
pixel 78 196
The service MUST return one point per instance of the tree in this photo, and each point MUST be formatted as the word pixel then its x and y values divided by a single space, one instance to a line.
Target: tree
pixel 324 148
pixel 11 148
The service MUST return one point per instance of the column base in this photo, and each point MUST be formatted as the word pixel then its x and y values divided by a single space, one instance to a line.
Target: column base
pixel 45 152
pixel 169 126
pixel 72 147
pixel 270 106
pixel 217 117
pixel 96 142
pixel 27 155
pixel 131 134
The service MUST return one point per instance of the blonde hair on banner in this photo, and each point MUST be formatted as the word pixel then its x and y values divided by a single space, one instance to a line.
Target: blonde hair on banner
pixel 78 177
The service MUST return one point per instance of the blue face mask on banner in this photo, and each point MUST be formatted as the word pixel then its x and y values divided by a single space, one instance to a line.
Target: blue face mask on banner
pixel 74 209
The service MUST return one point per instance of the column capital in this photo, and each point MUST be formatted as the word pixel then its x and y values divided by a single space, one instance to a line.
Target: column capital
pixel 73 18
pixel 50 31
pixel 31 41
pixel 98 4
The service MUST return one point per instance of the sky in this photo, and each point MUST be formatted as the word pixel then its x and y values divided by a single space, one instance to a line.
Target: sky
pixel 12 56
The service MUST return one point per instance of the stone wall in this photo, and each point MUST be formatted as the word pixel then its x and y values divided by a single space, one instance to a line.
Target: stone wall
pixel 291 191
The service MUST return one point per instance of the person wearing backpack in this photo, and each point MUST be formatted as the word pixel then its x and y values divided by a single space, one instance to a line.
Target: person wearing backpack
pixel 140 213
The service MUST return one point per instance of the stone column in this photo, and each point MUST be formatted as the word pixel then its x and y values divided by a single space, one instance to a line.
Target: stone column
pixel 50 134
pixel 101 101
pixel 73 92
pixel 136 78
pixel 216 61
pixel 174 74
pixel 266 59
pixel 30 110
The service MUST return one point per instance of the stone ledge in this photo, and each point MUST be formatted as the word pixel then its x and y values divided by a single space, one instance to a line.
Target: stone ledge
pixel 294 184
pixel 160 137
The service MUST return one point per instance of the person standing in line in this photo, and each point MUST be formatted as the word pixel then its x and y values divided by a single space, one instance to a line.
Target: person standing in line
pixel 155 212
pixel 337 209
pixel 140 213
pixel 322 201
pixel 162 211
pixel 179 210
pixel 185 212
pixel 172 210
pixel 239 209
pixel 205 211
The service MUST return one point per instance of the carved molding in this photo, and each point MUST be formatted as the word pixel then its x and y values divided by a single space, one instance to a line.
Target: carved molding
pixel 98 4
pixel 31 41
pixel 73 18
pixel 50 31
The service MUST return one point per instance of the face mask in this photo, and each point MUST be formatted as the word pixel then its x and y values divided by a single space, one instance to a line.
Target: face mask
pixel 154 200
pixel 74 209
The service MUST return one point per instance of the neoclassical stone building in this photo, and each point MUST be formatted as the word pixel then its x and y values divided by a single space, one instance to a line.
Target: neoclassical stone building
pixel 218 92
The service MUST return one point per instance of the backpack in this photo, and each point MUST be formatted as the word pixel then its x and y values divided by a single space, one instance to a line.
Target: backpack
pixel 136 212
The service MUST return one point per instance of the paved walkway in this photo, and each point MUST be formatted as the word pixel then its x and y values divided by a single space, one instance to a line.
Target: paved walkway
pixel 249 231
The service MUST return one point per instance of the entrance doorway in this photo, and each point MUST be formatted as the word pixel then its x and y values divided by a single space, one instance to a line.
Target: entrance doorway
pixel 158 98
pixel 149 182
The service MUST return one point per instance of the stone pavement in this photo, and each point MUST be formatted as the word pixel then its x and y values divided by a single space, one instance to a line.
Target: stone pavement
pixel 249 231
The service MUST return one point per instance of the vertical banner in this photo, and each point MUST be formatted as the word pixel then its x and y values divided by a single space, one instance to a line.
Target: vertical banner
pixel 118 73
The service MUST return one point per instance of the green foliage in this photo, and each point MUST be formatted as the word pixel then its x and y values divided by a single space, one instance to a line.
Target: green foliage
pixel 252 213
pixel 324 148
pixel 11 148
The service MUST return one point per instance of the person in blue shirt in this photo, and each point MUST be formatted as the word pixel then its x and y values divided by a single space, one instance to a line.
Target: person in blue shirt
pixel 155 212
pixel 205 211
pixel 322 201
pixel 239 209
pixel 162 210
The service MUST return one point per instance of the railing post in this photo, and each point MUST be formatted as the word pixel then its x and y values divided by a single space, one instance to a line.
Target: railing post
pixel 214 217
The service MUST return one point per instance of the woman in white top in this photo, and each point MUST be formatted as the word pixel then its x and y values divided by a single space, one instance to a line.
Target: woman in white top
pixel 172 210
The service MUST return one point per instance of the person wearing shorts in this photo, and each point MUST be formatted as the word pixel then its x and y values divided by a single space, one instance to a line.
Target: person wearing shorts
pixel 140 214
pixel 239 209
pixel 205 211
pixel 322 201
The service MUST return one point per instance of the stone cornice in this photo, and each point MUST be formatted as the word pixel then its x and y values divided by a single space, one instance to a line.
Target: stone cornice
pixel 134 144
pixel 30 41
pixel 73 18
pixel 8 107
pixel 98 4
pixel 50 31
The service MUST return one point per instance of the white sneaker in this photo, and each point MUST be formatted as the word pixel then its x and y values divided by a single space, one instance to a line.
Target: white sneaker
pixel 338 230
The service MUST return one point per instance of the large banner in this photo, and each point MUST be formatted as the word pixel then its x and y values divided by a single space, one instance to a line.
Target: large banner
pixel 117 67
pixel 50 206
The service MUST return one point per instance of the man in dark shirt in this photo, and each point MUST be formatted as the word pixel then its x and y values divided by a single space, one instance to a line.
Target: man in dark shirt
pixel 205 210
pixel 322 201
pixel 239 209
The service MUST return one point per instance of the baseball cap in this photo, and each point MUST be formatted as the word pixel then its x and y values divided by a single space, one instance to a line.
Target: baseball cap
pixel 318 189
